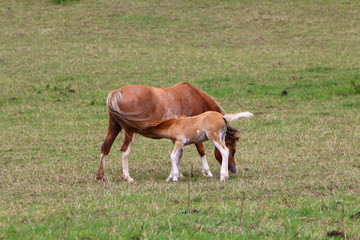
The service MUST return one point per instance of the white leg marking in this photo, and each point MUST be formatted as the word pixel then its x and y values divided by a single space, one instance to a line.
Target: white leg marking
pixel 178 164
pixel 102 161
pixel 125 162
pixel 101 170
pixel 205 167
pixel 175 156
pixel 224 172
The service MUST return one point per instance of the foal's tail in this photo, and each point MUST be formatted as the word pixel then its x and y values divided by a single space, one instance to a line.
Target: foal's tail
pixel 236 116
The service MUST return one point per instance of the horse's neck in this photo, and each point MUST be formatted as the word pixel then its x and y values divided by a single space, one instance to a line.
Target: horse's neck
pixel 188 91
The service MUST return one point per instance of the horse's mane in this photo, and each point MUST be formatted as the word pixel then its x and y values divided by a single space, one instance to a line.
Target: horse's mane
pixel 213 104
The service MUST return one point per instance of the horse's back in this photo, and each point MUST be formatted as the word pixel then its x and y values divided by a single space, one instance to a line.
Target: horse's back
pixel 138 105
pixel 182 99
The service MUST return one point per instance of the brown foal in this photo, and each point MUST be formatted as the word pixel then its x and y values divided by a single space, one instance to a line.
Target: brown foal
pixel 187 130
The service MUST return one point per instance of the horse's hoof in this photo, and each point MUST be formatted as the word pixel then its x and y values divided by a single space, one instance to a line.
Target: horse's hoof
pixel 100 175
pixel 127 178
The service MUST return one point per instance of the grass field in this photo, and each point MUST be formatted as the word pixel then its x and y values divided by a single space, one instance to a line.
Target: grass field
pixel 299 157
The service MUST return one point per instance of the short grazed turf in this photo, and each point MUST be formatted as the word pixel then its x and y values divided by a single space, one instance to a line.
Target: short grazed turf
pixel 294 64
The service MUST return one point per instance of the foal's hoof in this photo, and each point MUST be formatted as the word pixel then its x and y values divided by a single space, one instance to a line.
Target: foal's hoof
pixel 207 173
pixel 223 178
pixel 175 179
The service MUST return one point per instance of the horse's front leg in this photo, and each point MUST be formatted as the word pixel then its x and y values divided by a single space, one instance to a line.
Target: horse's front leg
pixel 125 150
pixel 175 161
pixel 204 164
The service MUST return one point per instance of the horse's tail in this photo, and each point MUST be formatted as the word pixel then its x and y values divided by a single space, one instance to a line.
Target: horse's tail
pixel 131 119
pixel 236 116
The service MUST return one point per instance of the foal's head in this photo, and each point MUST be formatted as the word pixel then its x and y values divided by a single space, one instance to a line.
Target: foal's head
pixel 232 135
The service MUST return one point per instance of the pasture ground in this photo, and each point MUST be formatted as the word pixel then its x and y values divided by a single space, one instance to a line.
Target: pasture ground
pixel 298 158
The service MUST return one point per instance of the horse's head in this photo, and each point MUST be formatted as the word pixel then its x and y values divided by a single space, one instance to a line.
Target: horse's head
pixel 232 135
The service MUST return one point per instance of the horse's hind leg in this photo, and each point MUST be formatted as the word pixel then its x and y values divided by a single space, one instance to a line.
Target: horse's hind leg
pixel 205 166
pixel 125 149
pixel 113 130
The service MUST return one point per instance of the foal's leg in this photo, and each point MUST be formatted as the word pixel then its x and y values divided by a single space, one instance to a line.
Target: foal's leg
pixel 175 158
pixel 205 167
pixel 220 145
pixel 178 164
pixel 125 149
pixel 113 130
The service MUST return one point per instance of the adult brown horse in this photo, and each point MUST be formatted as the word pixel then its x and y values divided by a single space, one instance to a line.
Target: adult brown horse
pixel 138 106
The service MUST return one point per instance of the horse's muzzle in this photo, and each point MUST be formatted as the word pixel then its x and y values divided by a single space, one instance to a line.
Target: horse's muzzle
pixel 232 169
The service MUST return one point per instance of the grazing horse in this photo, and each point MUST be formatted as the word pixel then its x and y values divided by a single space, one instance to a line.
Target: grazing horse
pixel 187 130
pixel 137 106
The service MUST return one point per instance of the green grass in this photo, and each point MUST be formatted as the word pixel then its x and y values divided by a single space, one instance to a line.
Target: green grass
pixel 299 157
